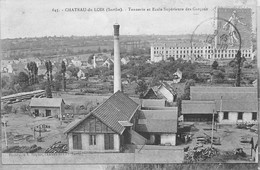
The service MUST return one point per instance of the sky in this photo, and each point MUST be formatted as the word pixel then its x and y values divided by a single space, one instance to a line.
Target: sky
pixel 37 18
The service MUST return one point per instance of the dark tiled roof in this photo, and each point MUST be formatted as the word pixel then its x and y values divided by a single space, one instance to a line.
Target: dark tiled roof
pixel 198 107
pixel 118 107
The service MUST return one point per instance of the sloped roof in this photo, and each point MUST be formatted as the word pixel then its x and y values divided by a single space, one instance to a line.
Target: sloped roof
pixel 215 93
pixel 116 108
pixel 153 103
pixel 168 87
pixel 46 102
pixel 206 107
pixel 159 114
pixel 237 105
pixel 157 121
pixel 198 107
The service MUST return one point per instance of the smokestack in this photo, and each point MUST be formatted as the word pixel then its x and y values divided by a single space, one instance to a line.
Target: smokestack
pixel 117 61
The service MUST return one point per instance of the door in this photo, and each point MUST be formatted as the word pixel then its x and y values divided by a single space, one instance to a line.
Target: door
pixel 48 113
pixel 77 143
pixel 109 141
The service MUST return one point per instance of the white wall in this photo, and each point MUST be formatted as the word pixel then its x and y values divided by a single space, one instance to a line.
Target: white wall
pixel 42 111
pixel 232 118
pixel 100 144
pixel 166 93
pixel 168 139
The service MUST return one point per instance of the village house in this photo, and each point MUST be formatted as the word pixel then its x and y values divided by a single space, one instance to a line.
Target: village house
pixel 158 126
pixel 82 73
pixel 163 91
pixel 47 107
pixel 107 128
pixel 125 60
pixel 108 63
pixel 167 92
pixel 76 62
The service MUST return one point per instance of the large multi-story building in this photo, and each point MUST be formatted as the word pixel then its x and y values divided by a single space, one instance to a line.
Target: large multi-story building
pixel 232 32
pixel 186 51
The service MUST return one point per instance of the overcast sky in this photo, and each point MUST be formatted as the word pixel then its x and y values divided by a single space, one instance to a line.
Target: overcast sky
pixel 35 18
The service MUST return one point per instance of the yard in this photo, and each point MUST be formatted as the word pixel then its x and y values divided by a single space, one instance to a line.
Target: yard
pixel 230 139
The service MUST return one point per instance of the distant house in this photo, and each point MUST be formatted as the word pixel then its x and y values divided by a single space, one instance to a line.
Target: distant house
pixel 167 92
pixel 163 91
pixel 76 63
pixel 107 128
pixel 47 107
pixel 151 94
pixel 125 60
pixel 82 73
pixel 68 74
pixel 108 63
pixel 7 68
pixel 158 126
pixel 177 76
pixel 254 83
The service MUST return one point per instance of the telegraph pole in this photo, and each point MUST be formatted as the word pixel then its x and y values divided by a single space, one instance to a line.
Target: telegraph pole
pixel 212 130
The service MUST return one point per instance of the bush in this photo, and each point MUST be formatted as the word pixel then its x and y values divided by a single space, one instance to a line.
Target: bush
pixel 8 108
pixel 24 108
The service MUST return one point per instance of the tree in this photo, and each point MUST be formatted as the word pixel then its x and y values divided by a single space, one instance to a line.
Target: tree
pixel 141 88
pixel 48 90
pixel 50 69
pixel 186 95
pixel 48 85
pixel 23 79
pixel 63 71
pixel 215 65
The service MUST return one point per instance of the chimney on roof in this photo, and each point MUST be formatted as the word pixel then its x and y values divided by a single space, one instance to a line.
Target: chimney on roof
pixel 117 61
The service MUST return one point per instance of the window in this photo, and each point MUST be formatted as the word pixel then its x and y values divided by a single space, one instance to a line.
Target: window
pixel 92 139
pixel 225 115
pixel 240 116
pixel 254 115
pixel 77 143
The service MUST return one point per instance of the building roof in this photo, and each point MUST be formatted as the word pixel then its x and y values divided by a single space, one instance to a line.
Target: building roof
pixel 153 103
pixel 115 109
pixel 159 114
pixel 207 107
pixel 157 121
pixel 215 93
pixel 198 107
pixel 46 102
pixel 237 105
pixel 168 87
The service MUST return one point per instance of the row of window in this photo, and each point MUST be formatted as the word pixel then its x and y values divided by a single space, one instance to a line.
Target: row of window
pixel 201 51
pixel 239 116
pixel 108 141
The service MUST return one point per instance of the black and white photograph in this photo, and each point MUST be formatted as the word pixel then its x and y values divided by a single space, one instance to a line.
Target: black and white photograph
pixel 129 84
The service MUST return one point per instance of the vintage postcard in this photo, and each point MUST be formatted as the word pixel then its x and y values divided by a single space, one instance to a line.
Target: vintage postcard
pixel 127 83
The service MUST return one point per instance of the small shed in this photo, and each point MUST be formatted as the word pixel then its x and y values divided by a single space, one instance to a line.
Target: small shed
pixel 198 111
pixel 47 107
pixel 159 126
